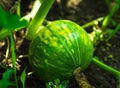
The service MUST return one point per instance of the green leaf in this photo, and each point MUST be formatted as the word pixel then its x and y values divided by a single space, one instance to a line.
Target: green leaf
pixel 49 84
pixel 3 19
pixel 64 84
pixel 57 84
pixel 23 77
pixel 4 83
pixel 15 22
pixel 57 81
pixel 11 21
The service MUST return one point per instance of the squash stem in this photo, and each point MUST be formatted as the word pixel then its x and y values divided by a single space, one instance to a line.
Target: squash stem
pixel 94 22
pixel 106 67
pixel 33 12
pixel 109 69
pixel 33 27
pixel 81 79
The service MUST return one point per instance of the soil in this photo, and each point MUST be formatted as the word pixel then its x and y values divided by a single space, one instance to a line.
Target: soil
pixel 81 12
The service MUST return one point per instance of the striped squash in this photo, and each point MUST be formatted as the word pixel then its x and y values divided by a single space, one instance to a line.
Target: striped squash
pixel 59 49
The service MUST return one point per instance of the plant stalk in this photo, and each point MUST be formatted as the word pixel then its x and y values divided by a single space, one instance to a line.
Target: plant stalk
pixel 33 12
pixel 106 67
pixel 109 69
pixel 33 27
pixel 13 58
pixel 94 22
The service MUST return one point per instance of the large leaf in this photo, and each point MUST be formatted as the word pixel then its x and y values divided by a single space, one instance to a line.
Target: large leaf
pixel 4 82
pixel 3 19
pixel 11 21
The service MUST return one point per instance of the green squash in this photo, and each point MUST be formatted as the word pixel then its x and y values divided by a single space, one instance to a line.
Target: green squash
pixel 59 49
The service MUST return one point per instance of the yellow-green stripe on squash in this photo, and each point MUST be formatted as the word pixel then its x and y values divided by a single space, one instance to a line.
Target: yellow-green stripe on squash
pixel 59 49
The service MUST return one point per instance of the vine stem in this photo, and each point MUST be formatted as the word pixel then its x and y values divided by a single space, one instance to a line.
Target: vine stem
pixel 107 68
pixel 94 22
pixel 81 79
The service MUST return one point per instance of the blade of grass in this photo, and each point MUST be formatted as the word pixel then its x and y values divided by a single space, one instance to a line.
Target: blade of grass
pixel 13 58
pixel 23 77
pixel 4 61
pixel 113 10
pixel 113 32
pixel 15 6
pixel 19 8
